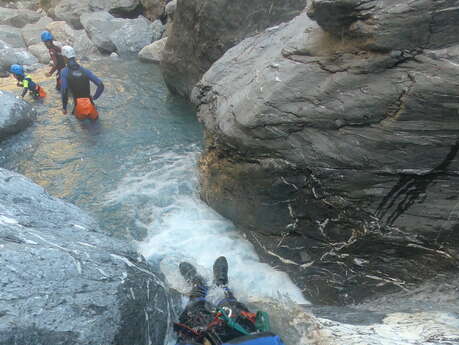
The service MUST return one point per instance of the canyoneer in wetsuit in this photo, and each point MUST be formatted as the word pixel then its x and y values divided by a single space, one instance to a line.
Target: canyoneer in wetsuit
pixel 228 322
pixel 76 79
pixel 26 82
pixel 56 57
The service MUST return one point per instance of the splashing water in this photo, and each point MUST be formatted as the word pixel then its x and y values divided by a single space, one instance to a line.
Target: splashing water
pixel 181 227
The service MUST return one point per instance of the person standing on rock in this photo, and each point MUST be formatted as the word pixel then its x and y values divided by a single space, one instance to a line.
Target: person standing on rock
pixel 56 57
pixel 26 82
pixel 76 79
pixel 229 322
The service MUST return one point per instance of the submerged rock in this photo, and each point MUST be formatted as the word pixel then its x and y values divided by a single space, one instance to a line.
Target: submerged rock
pixel 340 161
pixel 204 29
pixel 65 282
pixel 15 114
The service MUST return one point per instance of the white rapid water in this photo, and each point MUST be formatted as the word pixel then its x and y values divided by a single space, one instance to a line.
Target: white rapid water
pixel 180 227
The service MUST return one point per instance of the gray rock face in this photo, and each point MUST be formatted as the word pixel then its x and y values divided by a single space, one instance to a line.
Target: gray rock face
pixel 99 26
pixel 204 29
pixel 64 282
pixel 9 56
pixel 71 11
pixel 388 24
pixel 158 30
pixel 340 162
pixel 121 35
pixel 132 35
pixel 78 39
pixel 18 18
pixel 153 52
pixel 31 32
pixel 40 52
pixel 15 115
pixel 153 8
pixel 11 36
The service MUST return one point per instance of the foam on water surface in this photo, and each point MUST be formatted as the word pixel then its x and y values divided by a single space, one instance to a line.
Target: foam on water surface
pixel 181 227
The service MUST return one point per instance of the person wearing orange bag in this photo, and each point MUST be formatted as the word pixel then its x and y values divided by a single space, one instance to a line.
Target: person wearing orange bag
pixel 76 79
pixel 26 82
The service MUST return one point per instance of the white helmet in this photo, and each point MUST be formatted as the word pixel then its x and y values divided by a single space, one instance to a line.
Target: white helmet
pixel 68 52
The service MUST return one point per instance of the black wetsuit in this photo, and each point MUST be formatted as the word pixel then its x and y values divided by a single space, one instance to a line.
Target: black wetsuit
pixel 76 79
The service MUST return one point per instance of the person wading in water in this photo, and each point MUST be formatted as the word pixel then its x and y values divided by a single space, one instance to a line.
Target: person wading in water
pixel 76 79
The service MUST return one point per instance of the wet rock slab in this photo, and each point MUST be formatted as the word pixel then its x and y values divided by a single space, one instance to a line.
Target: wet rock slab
pixel 65 282
pixel 15 114
pixel 339 158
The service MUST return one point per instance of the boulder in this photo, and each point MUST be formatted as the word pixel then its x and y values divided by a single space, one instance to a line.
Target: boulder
pixel 24 4
pixel 153 9
pixel 122 8
pixel 121 35
pixel 132 35
pixel 21 56
pixel 99 26
pixel 158 30
pixel 204 29
pixel 40 52
pixel 66 282
pixel 31 32
pixel 48 6
pixel 405 26
pixel 153 52
pixel 18 18
pixel 340 162
pixel 15 115
pixel 70 11
pixel 11 36
pixel 78 39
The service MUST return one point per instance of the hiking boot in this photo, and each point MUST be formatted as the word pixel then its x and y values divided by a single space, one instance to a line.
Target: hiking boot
pixel 189 273
pixel 221 271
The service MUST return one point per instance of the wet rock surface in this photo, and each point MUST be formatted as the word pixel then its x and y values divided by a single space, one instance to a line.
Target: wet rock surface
pixel 65 282
pixel 15 114
pixel 203 30
pixel 339 157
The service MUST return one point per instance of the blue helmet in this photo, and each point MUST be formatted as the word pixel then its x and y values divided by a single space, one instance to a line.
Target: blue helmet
pixel 17 69
pixel 46 36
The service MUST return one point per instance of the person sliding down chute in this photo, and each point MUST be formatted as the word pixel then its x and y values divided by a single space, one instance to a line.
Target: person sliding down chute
pixel 75 79
pixel 230 322
pixel 26 82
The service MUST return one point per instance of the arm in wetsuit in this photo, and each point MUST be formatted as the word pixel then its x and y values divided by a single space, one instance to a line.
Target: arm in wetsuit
pixel 64 89
pixel 95 80
pixel 53 54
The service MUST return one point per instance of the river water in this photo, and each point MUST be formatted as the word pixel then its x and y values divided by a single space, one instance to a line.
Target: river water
pixel 135 171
